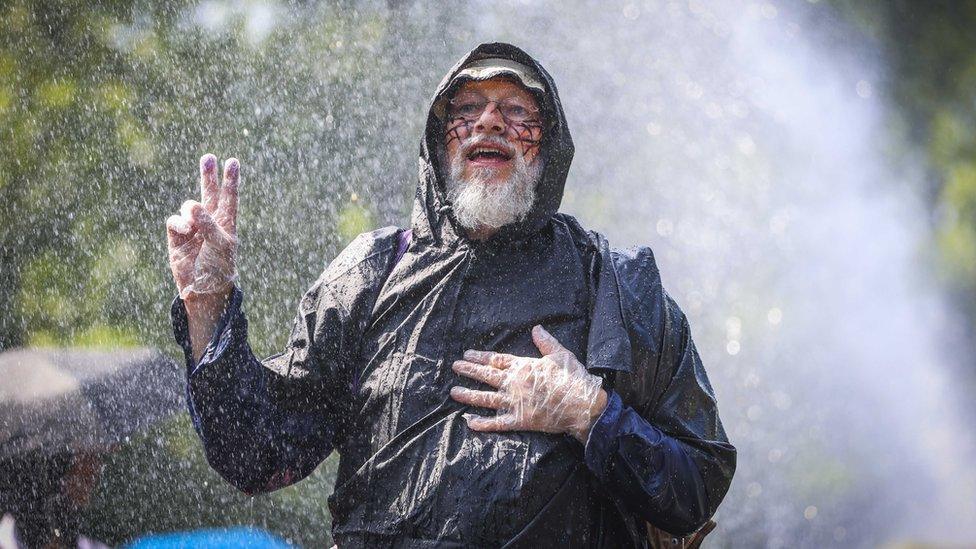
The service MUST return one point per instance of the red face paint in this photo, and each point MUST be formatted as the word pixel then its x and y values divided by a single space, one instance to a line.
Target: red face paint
pixel 527 135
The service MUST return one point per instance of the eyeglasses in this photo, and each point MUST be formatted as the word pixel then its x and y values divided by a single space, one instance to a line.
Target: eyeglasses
pixel 471 107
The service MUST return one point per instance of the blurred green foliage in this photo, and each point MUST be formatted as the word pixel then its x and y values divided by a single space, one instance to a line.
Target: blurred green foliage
pixel 930 51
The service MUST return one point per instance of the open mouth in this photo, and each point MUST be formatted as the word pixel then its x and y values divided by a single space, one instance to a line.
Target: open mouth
pixel 488 155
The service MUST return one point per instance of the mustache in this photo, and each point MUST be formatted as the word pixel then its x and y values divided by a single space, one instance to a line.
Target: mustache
pixel 473 142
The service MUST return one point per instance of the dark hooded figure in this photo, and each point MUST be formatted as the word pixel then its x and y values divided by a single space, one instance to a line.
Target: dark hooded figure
pixel 496 375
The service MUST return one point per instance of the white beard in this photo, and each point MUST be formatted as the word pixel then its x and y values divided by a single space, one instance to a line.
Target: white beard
pixel 480 203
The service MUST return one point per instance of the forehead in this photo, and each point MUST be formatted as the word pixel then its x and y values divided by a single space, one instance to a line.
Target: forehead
pixel 497 88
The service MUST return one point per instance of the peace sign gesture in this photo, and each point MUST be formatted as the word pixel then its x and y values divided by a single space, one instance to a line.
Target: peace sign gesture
pixel 203 237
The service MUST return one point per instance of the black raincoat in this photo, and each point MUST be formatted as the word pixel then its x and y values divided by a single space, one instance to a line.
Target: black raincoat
pixel 367 372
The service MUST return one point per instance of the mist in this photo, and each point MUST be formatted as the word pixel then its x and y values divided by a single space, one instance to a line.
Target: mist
pixel 752 145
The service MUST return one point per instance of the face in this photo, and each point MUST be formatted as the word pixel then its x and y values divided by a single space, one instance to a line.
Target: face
pixel 507 131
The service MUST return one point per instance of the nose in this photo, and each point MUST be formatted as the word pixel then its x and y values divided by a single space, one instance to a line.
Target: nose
pixel 490 121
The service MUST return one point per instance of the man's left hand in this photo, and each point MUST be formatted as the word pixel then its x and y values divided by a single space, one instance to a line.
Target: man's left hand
pixel 553 394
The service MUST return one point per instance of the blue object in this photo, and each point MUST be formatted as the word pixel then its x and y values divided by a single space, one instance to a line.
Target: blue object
pixel 213 538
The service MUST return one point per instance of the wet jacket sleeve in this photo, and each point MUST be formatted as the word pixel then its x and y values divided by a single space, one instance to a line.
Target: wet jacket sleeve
pixel 659 447
pixel 268 423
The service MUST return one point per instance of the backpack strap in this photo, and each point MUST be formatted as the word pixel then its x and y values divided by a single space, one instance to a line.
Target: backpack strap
pixel 403 242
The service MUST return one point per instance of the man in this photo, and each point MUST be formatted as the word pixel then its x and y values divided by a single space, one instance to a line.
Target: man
pixel 495 376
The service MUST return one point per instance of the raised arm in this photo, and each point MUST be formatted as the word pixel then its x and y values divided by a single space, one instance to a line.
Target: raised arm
pixel 264 424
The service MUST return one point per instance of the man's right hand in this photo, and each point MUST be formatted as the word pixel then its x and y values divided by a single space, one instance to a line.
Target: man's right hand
pixel 203 248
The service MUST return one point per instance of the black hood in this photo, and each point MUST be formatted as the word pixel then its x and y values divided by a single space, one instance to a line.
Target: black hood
pixel 432 216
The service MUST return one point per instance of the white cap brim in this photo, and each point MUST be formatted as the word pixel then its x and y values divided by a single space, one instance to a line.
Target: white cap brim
pixel 484 69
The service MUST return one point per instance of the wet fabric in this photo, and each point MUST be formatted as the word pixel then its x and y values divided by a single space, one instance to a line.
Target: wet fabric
pixel 367 372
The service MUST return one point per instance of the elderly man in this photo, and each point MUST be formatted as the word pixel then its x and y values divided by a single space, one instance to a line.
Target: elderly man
pixel 495 375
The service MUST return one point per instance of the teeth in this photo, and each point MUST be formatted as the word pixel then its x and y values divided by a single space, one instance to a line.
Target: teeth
pixel 480 150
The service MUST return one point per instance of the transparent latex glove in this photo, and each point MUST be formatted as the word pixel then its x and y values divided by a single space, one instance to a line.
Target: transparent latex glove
pixel 203 237
pixel 553 394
